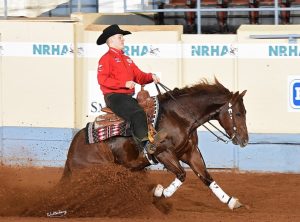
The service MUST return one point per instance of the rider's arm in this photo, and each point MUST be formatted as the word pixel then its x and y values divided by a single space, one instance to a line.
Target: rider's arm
pixel 105 77
pixel 141 77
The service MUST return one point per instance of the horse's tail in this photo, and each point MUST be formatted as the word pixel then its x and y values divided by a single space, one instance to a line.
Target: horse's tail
pixel 66 176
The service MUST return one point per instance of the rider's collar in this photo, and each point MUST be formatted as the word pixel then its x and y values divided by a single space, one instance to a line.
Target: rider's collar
pixel 117 51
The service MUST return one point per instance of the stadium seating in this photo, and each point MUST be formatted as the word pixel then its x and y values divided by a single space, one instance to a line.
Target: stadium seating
pixel 254 17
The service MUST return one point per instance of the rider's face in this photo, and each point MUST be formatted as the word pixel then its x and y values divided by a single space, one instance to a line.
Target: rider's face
pixel 117 41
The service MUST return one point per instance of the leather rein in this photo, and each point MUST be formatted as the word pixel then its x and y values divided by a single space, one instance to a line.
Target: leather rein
pixel 229 110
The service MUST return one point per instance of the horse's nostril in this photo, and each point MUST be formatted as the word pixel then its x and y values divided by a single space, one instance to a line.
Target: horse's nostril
pixel 243 144
pixel 235 142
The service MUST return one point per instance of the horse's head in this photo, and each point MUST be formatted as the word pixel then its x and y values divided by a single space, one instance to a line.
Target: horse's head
pixel 232 117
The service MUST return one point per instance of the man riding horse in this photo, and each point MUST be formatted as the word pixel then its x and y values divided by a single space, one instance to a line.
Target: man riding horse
pixel 182 111
pixel 117 77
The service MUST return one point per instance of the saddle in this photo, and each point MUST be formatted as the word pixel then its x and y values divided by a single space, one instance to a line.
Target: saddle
pixel 109 124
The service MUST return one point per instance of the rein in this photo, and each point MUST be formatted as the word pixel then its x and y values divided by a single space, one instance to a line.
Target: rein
pixel 191 114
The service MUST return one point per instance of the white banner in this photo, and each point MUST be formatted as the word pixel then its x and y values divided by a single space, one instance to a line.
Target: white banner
pixel 156 51
pixel 135 50
pixel 203 50
pixel 242 51
pixel 29 49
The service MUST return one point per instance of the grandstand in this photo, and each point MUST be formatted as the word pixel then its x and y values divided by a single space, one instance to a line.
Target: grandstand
pixel 264 12
pixel 215 16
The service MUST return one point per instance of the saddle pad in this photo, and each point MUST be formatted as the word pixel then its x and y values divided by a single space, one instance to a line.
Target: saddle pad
pixel 95 135
pixel 96 132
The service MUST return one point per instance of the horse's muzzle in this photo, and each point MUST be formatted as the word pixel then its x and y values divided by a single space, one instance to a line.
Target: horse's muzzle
pixel 241 142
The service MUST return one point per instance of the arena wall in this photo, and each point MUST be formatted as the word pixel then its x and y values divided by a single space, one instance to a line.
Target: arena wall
pixel 49 88
pixel 37 91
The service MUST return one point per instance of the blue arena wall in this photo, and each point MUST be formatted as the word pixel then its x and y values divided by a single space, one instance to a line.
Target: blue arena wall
pixel 31 146
pixel 35 146
pixel 265 152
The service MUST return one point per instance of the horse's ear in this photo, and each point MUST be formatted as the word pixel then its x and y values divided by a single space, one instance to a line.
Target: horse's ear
pixel 243 93
pixel 234 97
pixel 237 96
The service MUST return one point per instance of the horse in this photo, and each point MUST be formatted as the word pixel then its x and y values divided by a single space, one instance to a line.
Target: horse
pixel 182 111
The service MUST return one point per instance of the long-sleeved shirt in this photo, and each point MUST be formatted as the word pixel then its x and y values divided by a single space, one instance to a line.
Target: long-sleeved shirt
pixel 115 69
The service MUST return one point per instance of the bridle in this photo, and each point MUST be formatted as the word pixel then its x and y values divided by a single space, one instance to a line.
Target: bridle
pixel 234 128
pixel 196 121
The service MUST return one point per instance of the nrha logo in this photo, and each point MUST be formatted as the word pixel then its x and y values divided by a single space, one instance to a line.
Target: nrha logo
pixel 294 93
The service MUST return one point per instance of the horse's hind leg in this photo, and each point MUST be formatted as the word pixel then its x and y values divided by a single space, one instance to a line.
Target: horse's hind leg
pixel 195 160
pixel 172 164
pixel 82 155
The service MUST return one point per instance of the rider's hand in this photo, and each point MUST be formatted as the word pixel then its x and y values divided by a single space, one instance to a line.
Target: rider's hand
pixel 155 78
pixel 130 84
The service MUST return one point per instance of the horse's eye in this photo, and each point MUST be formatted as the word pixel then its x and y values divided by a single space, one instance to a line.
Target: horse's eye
pixel 238 114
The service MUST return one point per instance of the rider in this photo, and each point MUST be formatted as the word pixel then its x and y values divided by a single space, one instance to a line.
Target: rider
pixel 117 76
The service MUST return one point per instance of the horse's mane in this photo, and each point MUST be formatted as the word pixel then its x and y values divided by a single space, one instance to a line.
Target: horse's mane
pixel 203 87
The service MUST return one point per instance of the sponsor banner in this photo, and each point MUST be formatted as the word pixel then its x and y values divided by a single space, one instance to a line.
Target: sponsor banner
pixel 96 98
pixel 88 50
pixel 204 50
pixel 241 51
pixel 269 51
pixel 135 50
pixel 294 93
pixel 29 49
pixel 159 51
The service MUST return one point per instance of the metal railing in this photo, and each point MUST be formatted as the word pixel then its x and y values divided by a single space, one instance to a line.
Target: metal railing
pixel 199 10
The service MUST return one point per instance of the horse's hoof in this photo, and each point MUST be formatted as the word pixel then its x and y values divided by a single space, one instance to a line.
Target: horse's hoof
pixel 234 203
pixel 158 191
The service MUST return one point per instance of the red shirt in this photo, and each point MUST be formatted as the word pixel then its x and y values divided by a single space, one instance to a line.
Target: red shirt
pixel 115 69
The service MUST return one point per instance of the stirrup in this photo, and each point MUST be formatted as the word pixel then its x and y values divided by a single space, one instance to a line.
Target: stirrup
pixel 159 137
pixel 150 148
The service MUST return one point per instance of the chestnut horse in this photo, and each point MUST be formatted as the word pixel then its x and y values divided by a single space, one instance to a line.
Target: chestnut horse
pixel 182 111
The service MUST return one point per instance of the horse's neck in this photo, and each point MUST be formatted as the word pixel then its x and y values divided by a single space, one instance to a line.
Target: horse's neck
pixel 196 111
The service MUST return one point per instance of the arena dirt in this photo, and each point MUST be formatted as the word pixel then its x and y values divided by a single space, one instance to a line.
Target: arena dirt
pixel 113 193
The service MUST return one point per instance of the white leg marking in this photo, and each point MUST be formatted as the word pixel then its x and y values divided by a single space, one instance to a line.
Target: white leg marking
pixel 234 203
pixel 158 191
pixel 223 197
pixel 170 190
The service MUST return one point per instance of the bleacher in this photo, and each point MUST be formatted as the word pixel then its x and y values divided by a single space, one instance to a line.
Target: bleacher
pixel 211 21
pixel 224 21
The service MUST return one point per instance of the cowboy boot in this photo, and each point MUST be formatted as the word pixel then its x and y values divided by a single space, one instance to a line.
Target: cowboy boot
pixel 159 137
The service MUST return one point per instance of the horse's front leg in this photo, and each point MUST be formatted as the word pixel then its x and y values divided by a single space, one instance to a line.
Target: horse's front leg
pixel 194 159
pixel 172 164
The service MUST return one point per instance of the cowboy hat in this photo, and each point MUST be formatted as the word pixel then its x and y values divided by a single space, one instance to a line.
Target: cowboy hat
pixel 110 31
